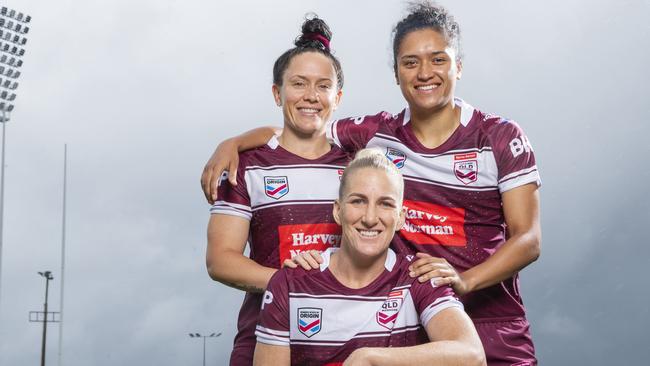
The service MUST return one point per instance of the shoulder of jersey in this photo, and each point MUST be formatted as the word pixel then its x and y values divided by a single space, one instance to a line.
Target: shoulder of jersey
pixel 493 124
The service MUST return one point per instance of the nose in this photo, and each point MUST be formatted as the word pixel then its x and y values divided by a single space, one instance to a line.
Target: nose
pixel 425 71
pixel 370 217
pixel 311 95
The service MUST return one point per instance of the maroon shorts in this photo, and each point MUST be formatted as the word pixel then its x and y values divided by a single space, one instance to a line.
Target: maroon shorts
pixel 506 342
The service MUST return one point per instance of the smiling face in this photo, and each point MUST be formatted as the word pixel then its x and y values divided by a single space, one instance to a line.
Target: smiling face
pixel 427 70
pixel 308 94
pixel 369 211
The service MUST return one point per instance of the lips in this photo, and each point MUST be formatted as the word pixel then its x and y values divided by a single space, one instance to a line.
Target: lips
pixel 427 87
pixel 309 110
pixel 368 234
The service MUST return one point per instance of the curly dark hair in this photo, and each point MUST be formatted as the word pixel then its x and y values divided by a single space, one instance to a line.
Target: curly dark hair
pixel 426 14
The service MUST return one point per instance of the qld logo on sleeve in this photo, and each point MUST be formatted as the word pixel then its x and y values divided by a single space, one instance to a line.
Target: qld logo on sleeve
pixel 397 157
pixel 276 187
pixel 309 321
pixel 466 167
pixel 387 315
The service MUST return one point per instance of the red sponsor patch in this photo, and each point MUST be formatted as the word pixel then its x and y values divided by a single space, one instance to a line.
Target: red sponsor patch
pixel 427 223
pixel 297 238
pixel 465 156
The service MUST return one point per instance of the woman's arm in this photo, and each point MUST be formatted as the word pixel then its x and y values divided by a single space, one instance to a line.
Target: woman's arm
pixel 266 354
pixel 521 211
pixel 454 341
pixel 225 260
pixel 226 158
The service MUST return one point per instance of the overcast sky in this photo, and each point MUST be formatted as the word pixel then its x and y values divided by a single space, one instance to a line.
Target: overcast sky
pixel 142 91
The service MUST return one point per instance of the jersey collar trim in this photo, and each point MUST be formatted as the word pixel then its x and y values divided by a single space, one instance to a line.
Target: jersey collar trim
pixel 273 142
pixel 389 264
pixel 466 112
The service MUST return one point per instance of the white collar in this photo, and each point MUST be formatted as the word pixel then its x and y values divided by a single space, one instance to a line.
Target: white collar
pixel 466 112
pixel 391 259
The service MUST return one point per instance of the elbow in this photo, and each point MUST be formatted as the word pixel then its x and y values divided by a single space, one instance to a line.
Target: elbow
pixel 534 248
pixel 476 357
pixel 214 270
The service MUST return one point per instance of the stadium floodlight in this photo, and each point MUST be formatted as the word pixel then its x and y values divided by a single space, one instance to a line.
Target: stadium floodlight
pixel 13 30
pixel 48 276
pixel 198 335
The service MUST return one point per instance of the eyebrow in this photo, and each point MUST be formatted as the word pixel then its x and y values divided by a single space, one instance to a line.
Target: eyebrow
pixel 361 195
pixel 306 78
pixel 434 53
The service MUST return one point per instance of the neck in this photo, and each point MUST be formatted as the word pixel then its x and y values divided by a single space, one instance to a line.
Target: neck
pixel 355 271
pixel 308 147
pixel 432 129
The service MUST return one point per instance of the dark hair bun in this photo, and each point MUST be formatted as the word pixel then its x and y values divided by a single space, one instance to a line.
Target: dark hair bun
pixel 315 34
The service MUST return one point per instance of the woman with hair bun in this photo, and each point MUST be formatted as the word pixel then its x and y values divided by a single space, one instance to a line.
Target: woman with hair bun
pixel 361 307
pixel 274 207
pixel 471 183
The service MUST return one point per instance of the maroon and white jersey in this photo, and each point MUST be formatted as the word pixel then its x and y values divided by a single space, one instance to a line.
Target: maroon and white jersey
pixel 288 200
pixel 453 192
pixel 324 322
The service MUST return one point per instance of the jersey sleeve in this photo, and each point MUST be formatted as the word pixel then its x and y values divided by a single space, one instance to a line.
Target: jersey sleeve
pixel 514 156
pixel 273 323
pixel 352 134
pixel 233 200
pixel 430 299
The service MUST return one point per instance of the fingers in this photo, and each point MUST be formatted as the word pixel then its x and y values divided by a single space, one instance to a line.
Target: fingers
pixel 205 184
pixel 289 264
pixel 426 264
pixel 308 260
pixel 232 172
pixel 439 274
pixel 300 261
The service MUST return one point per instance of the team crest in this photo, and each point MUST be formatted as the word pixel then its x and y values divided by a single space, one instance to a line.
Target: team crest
pixel 309 321
pixel 397 157
pixel 389 310
pixel 466 171
pixel 276 187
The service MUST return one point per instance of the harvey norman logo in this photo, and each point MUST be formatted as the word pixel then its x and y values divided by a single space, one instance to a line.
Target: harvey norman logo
pixel 427 223
pixel 294 239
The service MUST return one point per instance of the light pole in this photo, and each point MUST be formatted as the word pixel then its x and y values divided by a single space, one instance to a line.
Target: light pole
pixel 48 276
pixel 13 28
pixel 197 335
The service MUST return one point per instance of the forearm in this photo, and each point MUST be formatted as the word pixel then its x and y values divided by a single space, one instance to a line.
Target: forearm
pixel 233 269
pixel 514 255
pixel 441 353
pixel 254 138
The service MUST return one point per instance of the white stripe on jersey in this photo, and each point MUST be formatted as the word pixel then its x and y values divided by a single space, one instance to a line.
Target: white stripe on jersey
pixel 419 167
pixel 272 331
pixel 271 339
pixel 295 166
pixel 233 209
pixel 301 180
pixel 284 203
pixel 437 306
pixel 337 296
pixel 344 318
pixel 519 178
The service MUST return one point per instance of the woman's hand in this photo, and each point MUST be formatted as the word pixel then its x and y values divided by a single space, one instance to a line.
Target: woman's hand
pixel 224 158
pixel 310 259
pixel 443 273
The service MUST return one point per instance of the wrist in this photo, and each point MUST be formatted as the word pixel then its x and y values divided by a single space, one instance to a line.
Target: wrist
pixel 468 283
pixel 374 355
